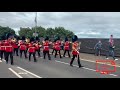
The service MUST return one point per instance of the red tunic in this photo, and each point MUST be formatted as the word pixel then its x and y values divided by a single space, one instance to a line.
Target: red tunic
pixel 31 49
pixel 46 46
pixel 66 46
pixel 37 47
pixel 75 45
pixel 27 45
pixel 57 45
pixel 9 48
pixel 23 47
pixel 1 46
pixel 15 45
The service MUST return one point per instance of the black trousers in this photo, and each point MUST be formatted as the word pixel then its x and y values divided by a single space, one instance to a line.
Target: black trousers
pixel 7 57
pixel 44 54
pixel 33 56
pixel 16 51
pixel 78 59
pixel 65 53
pixel 38 51
pixel 1 54
pixel 58 52
pixel 53 51
pixel 21 51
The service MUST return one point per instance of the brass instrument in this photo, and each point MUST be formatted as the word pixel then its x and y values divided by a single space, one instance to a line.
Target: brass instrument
pixel 27 40
pixel 14 40
pixel 78 47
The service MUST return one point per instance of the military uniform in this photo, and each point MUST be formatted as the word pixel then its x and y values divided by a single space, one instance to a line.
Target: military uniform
pixel 31 50
pixel 23 49
pixel 58 47
pixel 15 46
pixel 2 50
pixel 8 52
pixel 37 48
pixel 75 51
pixel 66 47
pixel 46 48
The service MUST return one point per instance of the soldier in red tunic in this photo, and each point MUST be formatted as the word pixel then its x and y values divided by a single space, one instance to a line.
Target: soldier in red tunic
pixel 57 47
pixel 27 42
pixel 15 46
pixel 53 44
pixel 31 50
pixel 8 50
pixel 23 47
pixel 75 51
pixel 37 46
pixel 66 47
pixel 2 48
pixel 46 44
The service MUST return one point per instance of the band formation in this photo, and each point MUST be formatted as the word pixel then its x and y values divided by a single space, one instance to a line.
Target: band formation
pixel 11 45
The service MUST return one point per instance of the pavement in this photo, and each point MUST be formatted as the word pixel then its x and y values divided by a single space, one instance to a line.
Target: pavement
pixel 55 68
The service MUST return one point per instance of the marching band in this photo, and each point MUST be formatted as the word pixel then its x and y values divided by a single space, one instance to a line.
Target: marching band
pixel 10 46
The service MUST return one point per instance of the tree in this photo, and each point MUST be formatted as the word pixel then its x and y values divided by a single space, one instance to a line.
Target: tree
pixel 50 32
pixel 62 32
pixel 25 32
pixel 40 30
pixel 5 30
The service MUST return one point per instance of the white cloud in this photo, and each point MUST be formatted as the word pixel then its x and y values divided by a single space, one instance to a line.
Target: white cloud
pixel 84 24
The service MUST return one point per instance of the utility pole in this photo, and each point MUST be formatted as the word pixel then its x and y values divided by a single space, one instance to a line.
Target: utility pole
pixel 35 24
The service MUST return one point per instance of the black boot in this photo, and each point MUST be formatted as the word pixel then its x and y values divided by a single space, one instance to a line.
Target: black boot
pixel 35 60
pixel 71 65
pixel 81 66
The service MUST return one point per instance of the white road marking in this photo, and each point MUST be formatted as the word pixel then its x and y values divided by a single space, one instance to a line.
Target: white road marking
pixel 75 66
pixel 99 62
pixel 22 73
pixel 15 73
pixel 91 61
pixel 29 72
pixel 3 60
pixel 83 67
pixel 113 75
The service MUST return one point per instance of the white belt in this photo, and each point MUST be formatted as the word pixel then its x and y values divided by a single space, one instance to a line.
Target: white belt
pixel 2 46
pixel 46 46
pixel 66 46
pixel 8 46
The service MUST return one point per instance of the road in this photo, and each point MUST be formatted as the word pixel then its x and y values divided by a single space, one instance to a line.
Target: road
pixel 56 68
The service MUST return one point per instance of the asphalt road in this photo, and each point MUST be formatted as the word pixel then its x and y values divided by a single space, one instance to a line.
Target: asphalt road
pixel 56 68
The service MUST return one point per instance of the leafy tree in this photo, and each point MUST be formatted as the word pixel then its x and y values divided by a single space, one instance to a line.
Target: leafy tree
pixel 25 32
pixel 42 32
pixel 5 30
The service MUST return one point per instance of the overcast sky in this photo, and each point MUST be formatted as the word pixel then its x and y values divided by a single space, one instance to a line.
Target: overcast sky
pixel 83 24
